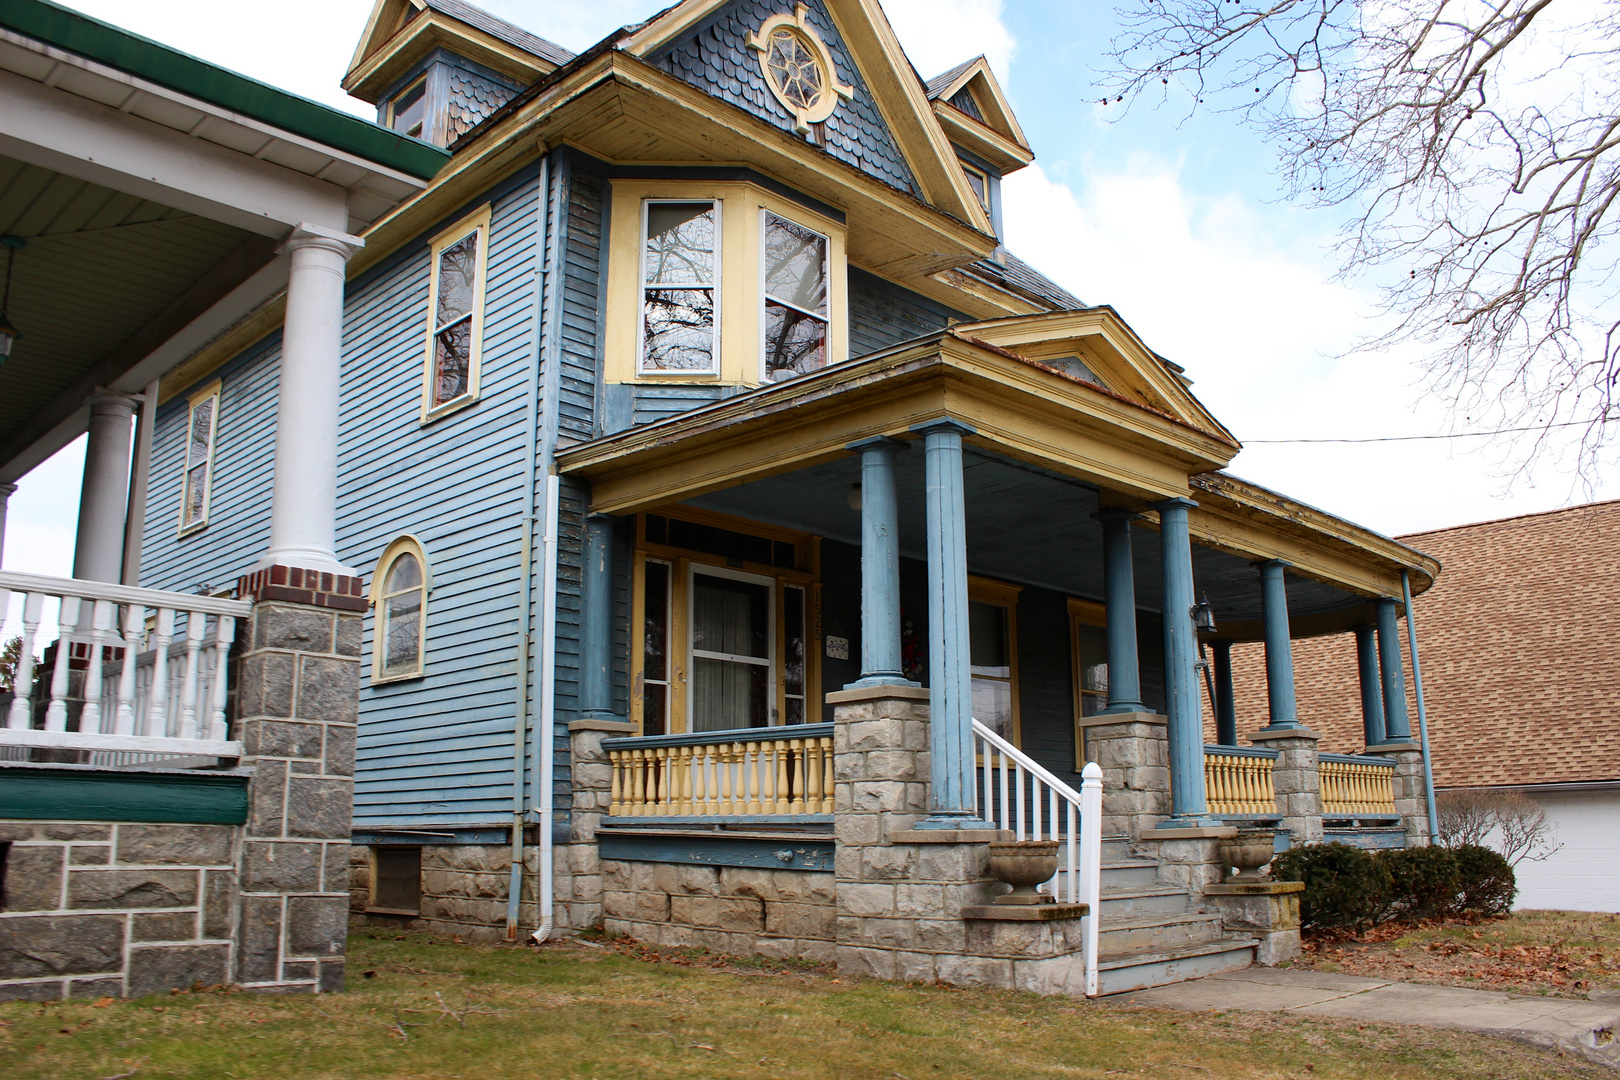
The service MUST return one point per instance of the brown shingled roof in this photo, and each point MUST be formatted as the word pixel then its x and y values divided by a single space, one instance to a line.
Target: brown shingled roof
pixel 1518 640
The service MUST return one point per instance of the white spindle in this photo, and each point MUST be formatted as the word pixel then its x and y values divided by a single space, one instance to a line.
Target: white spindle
pixel 56 711
pixel 196 627
pixel 23 684
pixel 157 706
pixel 1005 794
pixel 134 630
pixel 224 634
pixel 101 616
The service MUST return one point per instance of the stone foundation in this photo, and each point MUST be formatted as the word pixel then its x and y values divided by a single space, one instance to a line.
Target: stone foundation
pixel 1298 781
pixel 1133 750
pixel 1268 910
pixel 743 911
pixel 1411 799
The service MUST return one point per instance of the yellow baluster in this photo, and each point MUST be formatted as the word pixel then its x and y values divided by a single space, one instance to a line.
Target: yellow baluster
pixel 781 803
pixel 797 804
pixel 827 783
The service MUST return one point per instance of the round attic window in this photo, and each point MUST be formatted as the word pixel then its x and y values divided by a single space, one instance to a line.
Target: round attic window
pixel 798 67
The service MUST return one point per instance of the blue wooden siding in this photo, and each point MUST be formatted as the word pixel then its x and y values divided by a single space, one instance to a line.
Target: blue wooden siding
pixel 714 56
pixel 883 314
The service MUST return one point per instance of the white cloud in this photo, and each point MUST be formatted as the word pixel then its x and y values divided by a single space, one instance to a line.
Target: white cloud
pixel 939 34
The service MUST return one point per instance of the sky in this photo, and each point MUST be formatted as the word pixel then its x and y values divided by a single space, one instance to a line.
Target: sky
pixel 1174 220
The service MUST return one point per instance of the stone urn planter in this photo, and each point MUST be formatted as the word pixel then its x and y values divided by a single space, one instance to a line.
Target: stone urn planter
pixel 1248 851
pixel 1024 864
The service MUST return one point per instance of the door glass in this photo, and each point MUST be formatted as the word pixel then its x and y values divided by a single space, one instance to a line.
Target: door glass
pixel 991 666
pixel 731 670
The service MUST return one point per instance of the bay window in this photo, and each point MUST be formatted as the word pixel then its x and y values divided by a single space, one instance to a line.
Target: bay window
pixel 794 267
pixel 679 282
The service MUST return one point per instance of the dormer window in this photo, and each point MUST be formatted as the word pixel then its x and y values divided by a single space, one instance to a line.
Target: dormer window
pixel 979 181
pixel 407 112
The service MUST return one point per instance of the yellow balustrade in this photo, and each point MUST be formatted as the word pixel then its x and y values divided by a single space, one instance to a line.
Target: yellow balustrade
pixel 738 776
pixel 1357 787
pixel 1238 783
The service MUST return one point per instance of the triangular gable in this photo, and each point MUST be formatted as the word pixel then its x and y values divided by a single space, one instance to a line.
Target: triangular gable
pixel 1106 347
pixel 400 32
pixel 976 115
pixel 886 128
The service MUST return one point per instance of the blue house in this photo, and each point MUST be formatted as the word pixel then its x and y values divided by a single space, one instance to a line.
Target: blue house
pixel 747 540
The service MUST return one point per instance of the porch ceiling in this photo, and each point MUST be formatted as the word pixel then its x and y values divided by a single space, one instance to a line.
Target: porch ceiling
pixel 105 276
pixel 1032 527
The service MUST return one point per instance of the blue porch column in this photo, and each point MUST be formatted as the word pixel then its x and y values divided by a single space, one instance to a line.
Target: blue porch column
pixel 596 622
pixel 1119 583
pixel 1279 647
pixel 880 564
pixel 1225 700
pixel 1397 727
pixel 950 681
pixel 1372 693
pixel 1188 808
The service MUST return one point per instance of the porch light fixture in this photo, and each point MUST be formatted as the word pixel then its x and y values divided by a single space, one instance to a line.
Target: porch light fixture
pixel 8 332
pixel 1203 617
pixel 854 496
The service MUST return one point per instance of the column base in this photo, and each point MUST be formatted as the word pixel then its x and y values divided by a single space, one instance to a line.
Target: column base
pixel 1191 826
pixel 1123 707
pixel 880 679
pixel 963 822
pixel 600 716
pixel 299 585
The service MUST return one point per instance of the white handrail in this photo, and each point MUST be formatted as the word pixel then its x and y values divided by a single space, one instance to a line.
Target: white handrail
pixel 1080 831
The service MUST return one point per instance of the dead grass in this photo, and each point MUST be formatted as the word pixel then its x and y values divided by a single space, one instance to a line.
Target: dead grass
pixel 423 1008
pixel 1561 953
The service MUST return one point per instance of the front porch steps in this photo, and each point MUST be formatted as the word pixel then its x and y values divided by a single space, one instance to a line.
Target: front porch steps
pixel 1148 934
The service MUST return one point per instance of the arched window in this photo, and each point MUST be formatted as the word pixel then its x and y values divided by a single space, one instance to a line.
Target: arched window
pixel 399 592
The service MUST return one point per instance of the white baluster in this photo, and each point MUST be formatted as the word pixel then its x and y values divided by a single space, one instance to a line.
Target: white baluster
pixel 157 709
pixel 1018 826
pixel 224 634
pixel 1006 795
pixel 101 617
pixel 23 685
pixel 67 618
pixel 196 627
pixel 134 630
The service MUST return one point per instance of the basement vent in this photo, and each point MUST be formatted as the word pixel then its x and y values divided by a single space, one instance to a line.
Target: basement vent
pixel 396 880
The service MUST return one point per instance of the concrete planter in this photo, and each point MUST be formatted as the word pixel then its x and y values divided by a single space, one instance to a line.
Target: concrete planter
pixel 1024 864
pixel 1248 851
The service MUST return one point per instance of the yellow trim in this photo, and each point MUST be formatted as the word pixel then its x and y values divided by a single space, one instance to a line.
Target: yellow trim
pixel 211 391
pixel 420 80
pixel 1003 595
pixel 475 222
pixel 832 89
pixel 401 545
pixel 741 291
pixel 1082 613
pixel 383 56
pixel 985 90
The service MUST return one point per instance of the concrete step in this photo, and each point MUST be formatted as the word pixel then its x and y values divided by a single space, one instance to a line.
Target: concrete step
pixel 1153 932
pixel 1141 901
pixel 1129 872
pixel 1120 973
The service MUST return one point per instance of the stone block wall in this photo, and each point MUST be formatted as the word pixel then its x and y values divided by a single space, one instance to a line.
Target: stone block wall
pixel 742 911
pixel 1133 751
pixel 98 909
pixel 1411 799
pixel 1296 776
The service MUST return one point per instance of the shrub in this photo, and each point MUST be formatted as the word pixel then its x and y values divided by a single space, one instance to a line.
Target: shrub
pixel 1424 881
pixel 1344 885
pixel 1485 882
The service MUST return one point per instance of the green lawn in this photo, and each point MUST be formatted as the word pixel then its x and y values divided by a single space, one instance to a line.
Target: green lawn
pixel 435 1009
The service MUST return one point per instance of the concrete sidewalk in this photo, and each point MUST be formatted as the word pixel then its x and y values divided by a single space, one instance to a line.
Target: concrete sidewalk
pixel 1590 1028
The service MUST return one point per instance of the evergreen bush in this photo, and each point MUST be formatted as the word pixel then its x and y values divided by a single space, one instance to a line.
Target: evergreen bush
pixel 1344 885
pixel 1424 881
pixel 1485 881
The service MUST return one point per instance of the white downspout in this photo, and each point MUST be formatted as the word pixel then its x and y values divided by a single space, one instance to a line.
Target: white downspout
pixel 548 699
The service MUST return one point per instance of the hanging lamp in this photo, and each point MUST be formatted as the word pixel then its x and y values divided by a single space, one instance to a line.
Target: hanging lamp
pixel 8 333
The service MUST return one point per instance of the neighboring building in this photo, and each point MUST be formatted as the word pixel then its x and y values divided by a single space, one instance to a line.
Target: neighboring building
pixel 722 493
pixel 1516 642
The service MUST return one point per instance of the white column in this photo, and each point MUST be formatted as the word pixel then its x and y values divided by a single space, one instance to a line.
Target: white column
pixel 6 492
pixel 140 475
pixel 98 553
pixel 304 495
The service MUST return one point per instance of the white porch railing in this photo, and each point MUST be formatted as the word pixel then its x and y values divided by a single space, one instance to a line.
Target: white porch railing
pixel 1015 789
pixel 165 706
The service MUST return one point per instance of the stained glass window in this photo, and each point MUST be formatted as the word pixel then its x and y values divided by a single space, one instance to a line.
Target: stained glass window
pixel 794 69
pixel 680 272
pixel 401 608
pixel 795 316
pixel 199 459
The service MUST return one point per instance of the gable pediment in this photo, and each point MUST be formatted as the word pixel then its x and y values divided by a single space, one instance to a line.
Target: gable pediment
pixel 975 114
pixel 1097 342
pixel 399 33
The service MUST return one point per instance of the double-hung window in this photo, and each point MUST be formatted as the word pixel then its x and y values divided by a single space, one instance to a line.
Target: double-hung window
pixel 794 270
pixel 456 316
pixel 680 282
pixel 202 427
pixel 993 655
pixel 399 593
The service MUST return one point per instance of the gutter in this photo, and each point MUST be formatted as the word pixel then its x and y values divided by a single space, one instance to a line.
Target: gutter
pixel 1423 713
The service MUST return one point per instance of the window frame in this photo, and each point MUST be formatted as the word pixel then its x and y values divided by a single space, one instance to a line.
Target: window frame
pixel 476 222
pixel 393 116
pixel 765 298
pixel 1093 614
pixel 683 563
pixel 715 287
pixel 402 545
pixel 209 393
pixel 1004 595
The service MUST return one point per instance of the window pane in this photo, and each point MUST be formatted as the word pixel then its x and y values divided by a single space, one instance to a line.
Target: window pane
pixel 793 623
pixel 794 69
pixel 730 616
pixel 458 272
pixel 452 359
pixel 795 711
pixel 654 709
pixel 402 619
pixel 655 636
pixel 795 264
pixel 680 244
pixel 410 107
pixel 795 343
pixel 987 640
pixel 727 694
pixel 196 492
pixel 405 573
pixel 992 705
pixel 976 182
pixel 678 329
pixel 202 432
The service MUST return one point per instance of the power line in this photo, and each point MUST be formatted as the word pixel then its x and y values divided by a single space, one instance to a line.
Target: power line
pixel 1455 435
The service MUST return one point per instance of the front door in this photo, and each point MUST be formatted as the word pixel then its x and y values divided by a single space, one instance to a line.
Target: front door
pixel 733 646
